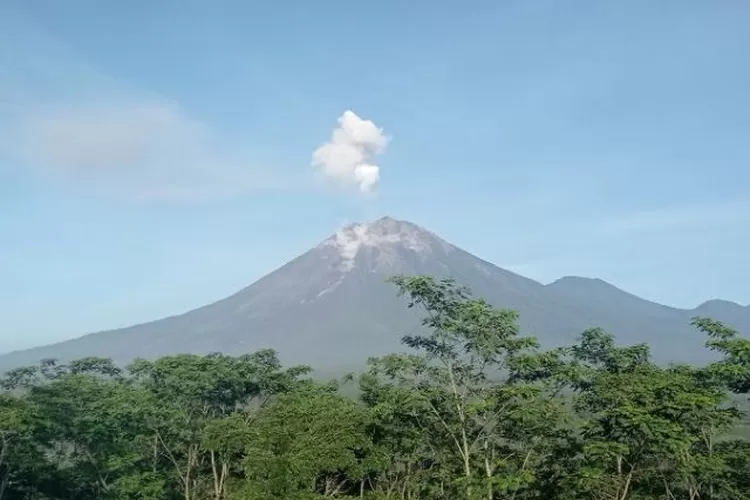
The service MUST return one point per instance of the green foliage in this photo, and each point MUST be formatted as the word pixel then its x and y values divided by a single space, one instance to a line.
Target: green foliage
pixel 311 441
pixel 475 410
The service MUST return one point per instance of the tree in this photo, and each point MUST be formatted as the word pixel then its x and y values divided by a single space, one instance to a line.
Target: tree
pixel 191 394
pixel 454 393
pixel 80 422
pixel 644 428
pixel 20 455
pixel 312 441
pixel 734 368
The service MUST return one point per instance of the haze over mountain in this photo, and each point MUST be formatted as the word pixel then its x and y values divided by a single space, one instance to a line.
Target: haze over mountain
pixel 331 307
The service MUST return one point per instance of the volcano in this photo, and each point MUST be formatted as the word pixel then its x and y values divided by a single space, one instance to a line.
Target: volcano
pixel 331 308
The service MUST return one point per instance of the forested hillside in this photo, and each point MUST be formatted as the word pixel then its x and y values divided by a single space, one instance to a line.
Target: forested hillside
pixel 471 410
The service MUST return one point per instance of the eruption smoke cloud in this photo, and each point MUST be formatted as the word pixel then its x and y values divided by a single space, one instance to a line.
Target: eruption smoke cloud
pixel 348 158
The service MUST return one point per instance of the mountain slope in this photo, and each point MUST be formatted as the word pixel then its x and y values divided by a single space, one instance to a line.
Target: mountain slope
pixel 331 307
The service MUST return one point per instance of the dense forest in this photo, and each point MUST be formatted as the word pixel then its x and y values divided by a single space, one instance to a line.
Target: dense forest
pixel 472 410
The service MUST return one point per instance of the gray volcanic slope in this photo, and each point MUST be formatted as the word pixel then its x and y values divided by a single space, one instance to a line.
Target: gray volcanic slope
pixel 331 307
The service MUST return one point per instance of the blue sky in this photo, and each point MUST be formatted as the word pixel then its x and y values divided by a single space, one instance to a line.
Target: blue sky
pixel 155 156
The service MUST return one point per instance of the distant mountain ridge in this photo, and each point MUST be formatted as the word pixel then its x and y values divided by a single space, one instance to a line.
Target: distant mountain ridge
pixel 331 307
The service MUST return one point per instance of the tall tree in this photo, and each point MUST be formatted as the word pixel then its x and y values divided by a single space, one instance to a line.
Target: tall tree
pixel 313 441
pixel 190 393
pixel 456 393
pixel 645 429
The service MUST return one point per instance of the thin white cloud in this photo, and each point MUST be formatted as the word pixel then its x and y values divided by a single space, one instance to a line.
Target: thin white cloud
pixel 146 150
pixel 348 158
pixel 61 116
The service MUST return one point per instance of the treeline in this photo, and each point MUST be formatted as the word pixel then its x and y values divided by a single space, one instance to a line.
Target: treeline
pixel 474 411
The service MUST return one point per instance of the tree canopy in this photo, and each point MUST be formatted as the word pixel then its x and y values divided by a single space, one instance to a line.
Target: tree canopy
pixel 474 410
